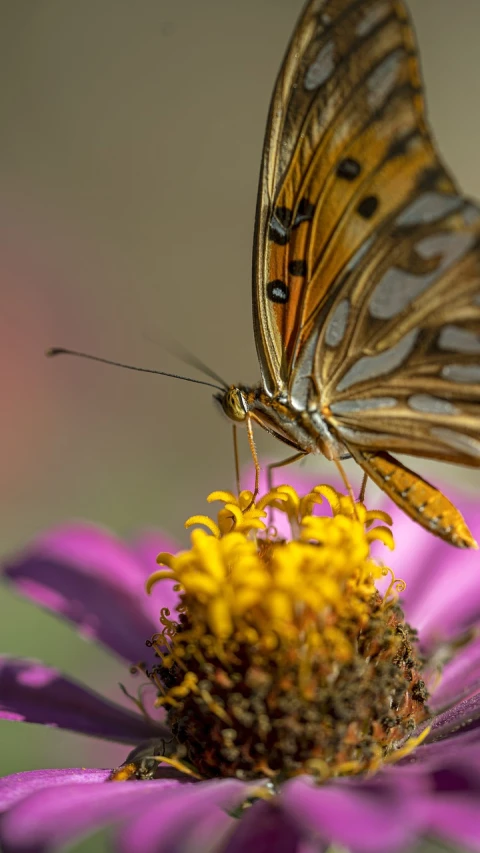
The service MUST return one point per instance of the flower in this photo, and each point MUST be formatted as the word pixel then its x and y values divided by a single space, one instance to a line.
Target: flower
pixel 234 601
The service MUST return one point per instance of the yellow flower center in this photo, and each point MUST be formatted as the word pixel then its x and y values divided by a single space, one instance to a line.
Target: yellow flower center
pixel 283 658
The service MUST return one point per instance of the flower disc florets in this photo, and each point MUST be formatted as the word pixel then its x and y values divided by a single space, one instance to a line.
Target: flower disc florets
pixel 283 657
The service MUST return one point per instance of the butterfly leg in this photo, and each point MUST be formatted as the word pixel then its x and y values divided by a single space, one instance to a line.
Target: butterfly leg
pixel 363 488
pixel 274 465
pixel 236 458
pixel 416 497
pixel 253 451
pixel 346 482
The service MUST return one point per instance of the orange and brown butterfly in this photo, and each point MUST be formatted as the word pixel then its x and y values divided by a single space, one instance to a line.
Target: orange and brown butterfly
pixel 366 286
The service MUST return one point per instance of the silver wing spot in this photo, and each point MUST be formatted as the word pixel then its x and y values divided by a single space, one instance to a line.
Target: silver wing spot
pixel 363 437
pixel 459 441
pixel 383 79
pixel 471 214
pixel 397 289
pixel 371 366
pixel 345 407
pixel 302 376
pixel 451 245
pixel 337 324
pixel 371 18
pixel 321 68
pixel 468 373
pixel 429 207
pixel 431 405
pixel 359 254
pixel 457 339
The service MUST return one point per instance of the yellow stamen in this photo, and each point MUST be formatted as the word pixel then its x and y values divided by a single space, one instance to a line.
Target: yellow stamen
pixel 178 765
pixel 158 576
pixel 410 745
pixel 206 521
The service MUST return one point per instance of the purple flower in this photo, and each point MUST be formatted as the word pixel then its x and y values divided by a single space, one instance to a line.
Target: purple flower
pixel 96 581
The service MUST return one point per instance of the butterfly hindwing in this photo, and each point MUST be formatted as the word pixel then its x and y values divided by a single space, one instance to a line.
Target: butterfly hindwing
pixel 403 373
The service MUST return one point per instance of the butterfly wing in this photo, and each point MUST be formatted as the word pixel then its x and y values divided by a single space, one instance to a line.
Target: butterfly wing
pixel 403 370
pixel 345 145
pixel 367 262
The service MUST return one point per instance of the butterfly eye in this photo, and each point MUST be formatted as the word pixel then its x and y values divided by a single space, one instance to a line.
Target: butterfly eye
pixel 234 403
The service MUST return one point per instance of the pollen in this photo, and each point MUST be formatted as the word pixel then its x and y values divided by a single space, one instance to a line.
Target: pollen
pixel 283 657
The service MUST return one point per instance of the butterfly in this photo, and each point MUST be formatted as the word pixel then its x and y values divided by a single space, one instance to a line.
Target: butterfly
pixel 366 269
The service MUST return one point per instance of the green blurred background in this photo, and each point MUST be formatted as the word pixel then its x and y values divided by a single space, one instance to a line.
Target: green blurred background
pixel 129 156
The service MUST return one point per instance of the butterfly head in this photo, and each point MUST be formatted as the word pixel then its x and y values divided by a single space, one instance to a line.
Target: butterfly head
pixel 234 402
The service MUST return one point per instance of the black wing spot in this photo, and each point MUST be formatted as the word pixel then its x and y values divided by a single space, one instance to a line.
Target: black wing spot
pixel 277 291
pixel 305 212
pixel 280 223
pixel 284 216
pixel 429 179
pixel 297 268
pixel 368 206
pixel 399 147
pixel 349 169
pixel 277 234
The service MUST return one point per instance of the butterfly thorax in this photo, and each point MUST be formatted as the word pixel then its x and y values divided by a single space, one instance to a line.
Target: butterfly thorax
pixel 305 430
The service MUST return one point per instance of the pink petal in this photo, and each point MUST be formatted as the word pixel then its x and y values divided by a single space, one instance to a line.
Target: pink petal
pixel 263 828
pixel 35 693
pixel 93 579
pixel 164 827
pixel 19 785
pixel 363 818
pixel 460 677
pixel 56 815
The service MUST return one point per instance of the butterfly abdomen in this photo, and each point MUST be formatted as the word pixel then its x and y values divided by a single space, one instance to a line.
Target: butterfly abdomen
pixel 418 498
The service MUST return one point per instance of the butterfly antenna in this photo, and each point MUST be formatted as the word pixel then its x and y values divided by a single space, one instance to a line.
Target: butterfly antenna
pixel 189 358
pixel 62 351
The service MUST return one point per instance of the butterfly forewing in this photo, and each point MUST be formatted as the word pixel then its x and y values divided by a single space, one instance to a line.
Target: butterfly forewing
pixel 367 260
pixel 347 99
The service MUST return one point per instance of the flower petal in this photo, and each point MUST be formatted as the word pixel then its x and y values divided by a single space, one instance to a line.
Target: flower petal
pixel 463 747
pixel 35 693
pixel 19 785
pixel 458 821
pixel 169 824
pixel 460 677
pixel 455 803
pixel 462 717
pixel 209 832
pixel 56 815
pixel 93 579
pixel 365 818
pixel 146 547
pixel 443 591
pixel 444 778
pixel 264 828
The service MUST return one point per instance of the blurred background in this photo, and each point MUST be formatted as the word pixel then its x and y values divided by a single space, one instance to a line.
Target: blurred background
pixel 129 158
